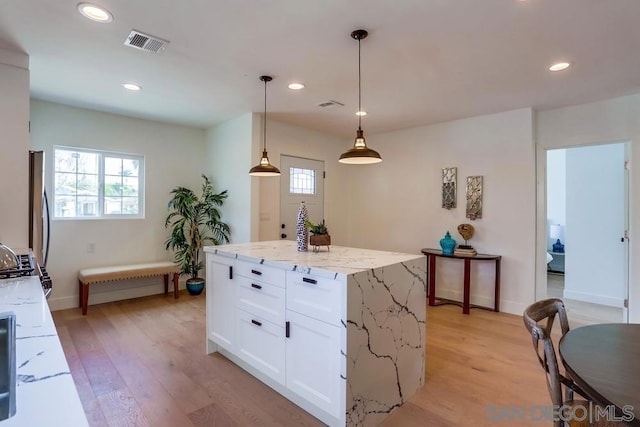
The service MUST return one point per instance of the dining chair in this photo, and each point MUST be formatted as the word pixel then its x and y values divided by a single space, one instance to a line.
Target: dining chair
pixel 539 320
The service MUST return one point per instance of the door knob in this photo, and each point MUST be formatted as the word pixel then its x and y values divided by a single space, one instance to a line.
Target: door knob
pixel 283 236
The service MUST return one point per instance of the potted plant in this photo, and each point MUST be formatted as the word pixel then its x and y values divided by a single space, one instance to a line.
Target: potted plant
pixel 319 235
pixel 194 222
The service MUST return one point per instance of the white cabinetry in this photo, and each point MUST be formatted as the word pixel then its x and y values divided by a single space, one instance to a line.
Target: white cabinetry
pixel 339 333
pixel 260 318
pixel 221 313
pixel 283 324
pixel 313 362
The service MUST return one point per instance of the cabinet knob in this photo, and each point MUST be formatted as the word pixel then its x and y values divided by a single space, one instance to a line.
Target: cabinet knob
pixel 283 236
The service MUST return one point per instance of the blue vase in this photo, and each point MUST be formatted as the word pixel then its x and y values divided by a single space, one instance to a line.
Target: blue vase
pixel 448 244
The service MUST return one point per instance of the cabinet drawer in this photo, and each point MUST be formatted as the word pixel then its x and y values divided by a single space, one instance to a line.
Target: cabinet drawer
pixel 271 275
pixel 260 298
pixel 261 344
pixel 316 297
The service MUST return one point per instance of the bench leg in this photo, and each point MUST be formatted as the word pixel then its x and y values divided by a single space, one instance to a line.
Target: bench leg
pixel 175 285
pixel 84 297
pixel 166 283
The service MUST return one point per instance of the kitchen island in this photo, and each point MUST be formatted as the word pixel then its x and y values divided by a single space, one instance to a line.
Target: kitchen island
pixel 45 392
pixel 341 333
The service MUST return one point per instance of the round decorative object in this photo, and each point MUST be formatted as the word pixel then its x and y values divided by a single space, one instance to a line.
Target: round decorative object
pixel 466 231
pixel 195 285
pixel 302 233
pixel 448 244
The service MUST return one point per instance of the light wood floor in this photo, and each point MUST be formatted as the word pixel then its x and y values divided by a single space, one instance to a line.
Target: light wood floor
pixel 142 362
pixel 581 313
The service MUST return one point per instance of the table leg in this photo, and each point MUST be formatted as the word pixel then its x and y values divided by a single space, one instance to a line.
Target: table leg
pixel 497 287
pixel 166 283
pixel 176 290
pixel 85 298
pixel 467 286
pixel 432 279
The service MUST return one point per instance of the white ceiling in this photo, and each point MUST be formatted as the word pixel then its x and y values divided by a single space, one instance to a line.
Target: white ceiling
pixel 425 61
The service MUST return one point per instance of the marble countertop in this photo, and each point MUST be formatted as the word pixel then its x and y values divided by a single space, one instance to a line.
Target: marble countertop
pixel 45 392
pixel 336 260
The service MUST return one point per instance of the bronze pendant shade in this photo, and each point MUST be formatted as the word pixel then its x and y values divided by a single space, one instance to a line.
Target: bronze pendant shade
pixel 360 154
pixel 264 168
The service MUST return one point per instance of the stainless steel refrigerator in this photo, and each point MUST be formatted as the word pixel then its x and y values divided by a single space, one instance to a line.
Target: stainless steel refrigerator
pixel 39 221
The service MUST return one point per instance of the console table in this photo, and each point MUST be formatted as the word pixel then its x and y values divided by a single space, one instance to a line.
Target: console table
pixel 432 254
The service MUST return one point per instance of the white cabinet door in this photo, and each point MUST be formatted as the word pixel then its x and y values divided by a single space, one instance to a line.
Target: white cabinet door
pixel 261 344
pixel 313 362
pixel 221 310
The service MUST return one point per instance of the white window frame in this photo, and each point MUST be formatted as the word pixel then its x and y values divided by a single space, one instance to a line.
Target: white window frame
pixel 101 184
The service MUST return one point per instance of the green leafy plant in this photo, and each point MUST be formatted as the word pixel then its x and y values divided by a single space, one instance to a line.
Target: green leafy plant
pixel 319 228
pixel 194 222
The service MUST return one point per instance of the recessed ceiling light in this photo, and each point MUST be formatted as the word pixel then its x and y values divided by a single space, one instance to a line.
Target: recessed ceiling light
pixel 296 86
pixel 361 113
pixel 95 12
pixel 131 86
pixel 559 66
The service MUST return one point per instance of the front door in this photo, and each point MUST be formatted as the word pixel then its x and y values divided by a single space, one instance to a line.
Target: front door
pixel 302 180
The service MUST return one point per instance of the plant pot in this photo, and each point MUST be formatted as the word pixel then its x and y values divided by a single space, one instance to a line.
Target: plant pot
pixel 195 285
pixel 317 240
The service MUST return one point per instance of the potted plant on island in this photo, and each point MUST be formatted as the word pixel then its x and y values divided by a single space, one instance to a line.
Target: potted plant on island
pixel 195 221
pixel 319 235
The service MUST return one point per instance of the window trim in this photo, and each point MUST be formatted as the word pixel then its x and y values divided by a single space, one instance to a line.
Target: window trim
pixel 101 184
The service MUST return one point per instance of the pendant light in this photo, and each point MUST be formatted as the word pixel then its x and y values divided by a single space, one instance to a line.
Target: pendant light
pixel 360 154
pixel 264 168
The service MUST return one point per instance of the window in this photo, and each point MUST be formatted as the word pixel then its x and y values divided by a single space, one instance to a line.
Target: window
pixel 302 181
pixel 97 184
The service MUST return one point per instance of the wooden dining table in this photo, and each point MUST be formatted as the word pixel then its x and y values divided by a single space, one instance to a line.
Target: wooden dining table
pixel 604 361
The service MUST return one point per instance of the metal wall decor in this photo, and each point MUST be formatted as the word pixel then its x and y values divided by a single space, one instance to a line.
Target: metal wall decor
pixel 474 197
pixel 449 179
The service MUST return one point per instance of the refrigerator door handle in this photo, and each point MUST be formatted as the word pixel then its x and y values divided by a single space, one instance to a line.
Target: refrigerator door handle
pixel 46 208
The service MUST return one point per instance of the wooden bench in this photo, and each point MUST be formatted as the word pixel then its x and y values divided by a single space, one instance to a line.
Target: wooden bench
pixel 90 276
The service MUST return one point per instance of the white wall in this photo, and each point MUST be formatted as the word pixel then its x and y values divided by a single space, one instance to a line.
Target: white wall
pixel 613 120
pixel 14 149
pixel 595 222
pixel 228 159
pixel 556 192
pixel 174 156
pixel 396 205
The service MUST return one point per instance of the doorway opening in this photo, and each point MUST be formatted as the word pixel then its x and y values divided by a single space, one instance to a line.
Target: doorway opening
pixel 586 223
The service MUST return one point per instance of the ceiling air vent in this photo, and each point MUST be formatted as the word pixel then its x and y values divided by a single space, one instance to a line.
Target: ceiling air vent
pixel 145 42
pixel 330 103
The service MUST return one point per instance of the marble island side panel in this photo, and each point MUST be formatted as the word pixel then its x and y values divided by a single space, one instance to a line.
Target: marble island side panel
pixel 386 315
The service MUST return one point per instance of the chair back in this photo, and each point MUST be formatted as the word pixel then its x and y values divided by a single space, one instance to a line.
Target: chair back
pixel 538 319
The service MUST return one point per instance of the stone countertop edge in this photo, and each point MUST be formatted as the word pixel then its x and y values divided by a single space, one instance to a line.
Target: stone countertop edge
pixel 332 263
pixel 46 394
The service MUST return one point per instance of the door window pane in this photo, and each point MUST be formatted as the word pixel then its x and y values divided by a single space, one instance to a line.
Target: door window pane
pixel 302 181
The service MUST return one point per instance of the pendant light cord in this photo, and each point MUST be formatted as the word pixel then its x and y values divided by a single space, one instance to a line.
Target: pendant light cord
pixel 264 119
pixel 359 90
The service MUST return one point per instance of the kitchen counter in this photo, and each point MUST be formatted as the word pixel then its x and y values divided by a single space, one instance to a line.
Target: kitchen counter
pixel 337 260
pixel 340 332
pixel 45 392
